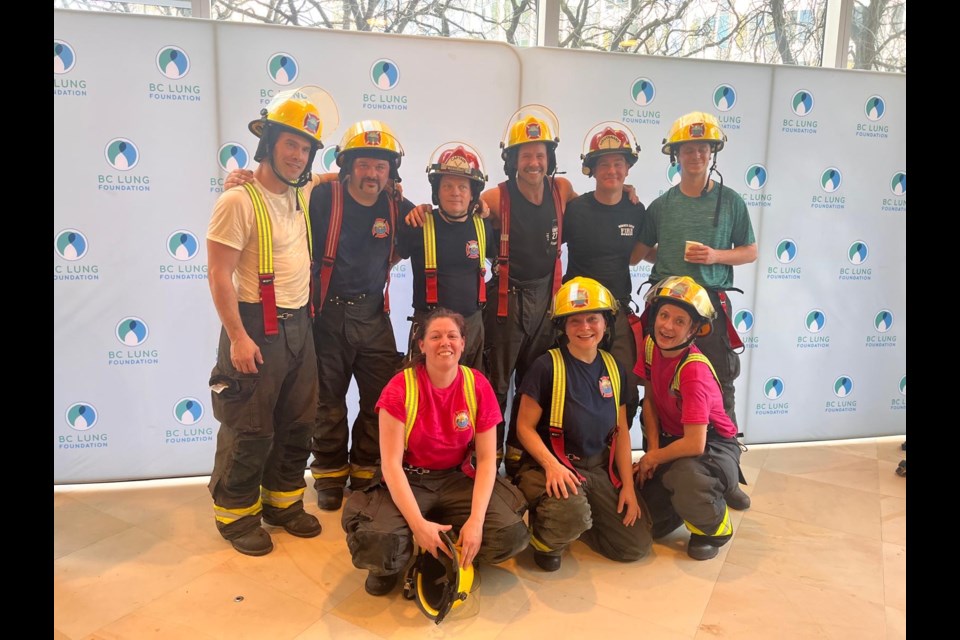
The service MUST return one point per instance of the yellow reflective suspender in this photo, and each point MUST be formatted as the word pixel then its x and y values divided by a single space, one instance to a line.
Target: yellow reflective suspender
pixel 482 245
pixel 412 399
pixel 430 258
pixel 691 357
pixel 268 296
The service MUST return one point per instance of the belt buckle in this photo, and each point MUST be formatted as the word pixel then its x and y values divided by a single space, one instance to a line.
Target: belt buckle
pixel 416 470
pixel 286 315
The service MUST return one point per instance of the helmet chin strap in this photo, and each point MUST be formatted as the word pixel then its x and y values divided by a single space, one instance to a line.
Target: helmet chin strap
pixel 299 182
pixel 677 348
pixel 448 216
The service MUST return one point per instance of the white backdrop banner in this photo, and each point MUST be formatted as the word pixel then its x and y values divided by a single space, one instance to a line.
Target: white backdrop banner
pixel 151 113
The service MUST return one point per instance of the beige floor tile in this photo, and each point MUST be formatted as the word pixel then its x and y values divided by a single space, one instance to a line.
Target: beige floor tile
pixel 816 556
pixel 893 514
pixel 235 606
pixel 888 482
pixel 117 575
pixel 889 449
pixel 896 624
pixel 138 502
pixel 865 448
pixel 330 627
pixel 824 504
pixel 58 635
pixel 749 603
pixel 76 525
pixel 827 464
pixel 895 576
pixel 139 625
pixel 755 456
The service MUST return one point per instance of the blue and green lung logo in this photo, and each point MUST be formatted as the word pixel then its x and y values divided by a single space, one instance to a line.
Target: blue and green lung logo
pixel 71 244
pixel 786 251
pixel 642 91
pixel 173 62
pixel 385 74
pixel 858 252
pixel 724 97
pixel 903 386
pixel 843 386
pixel 743 320
pixel 63 57
pixel 122 154
pixel 673 174
pixel 815 320
pixel 182 245
pixel 188 411
pixel 830 179
pixel 283 68
pixel 233 155
pixel 773 388
pixel 802 102
pixel 132 331
pixel 756 176
pixel 874 108
pixel 898 183
pixel 328 159
pixel 81 416
pixel 883 321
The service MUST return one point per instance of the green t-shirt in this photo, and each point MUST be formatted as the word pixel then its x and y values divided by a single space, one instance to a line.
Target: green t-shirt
pixel 674 218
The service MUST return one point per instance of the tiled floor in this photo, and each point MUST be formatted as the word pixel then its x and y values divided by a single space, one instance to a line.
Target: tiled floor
pixel 821 554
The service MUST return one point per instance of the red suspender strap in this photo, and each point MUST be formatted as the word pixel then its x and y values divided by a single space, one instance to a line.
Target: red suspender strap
pixel 558 208
pixel 268 299
pixel 394 214
pixel 503 259
pixel 612 463
pixel 333 239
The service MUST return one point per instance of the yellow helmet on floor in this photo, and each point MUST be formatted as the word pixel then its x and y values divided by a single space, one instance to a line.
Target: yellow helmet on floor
pixel 696 126
pixel 582 295
pixel 438 585
pixel 370 138
pixel 530 123
pixel 606 138
pixel 684 292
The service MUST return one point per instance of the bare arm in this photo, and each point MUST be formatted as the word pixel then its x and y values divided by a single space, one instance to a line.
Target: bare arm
pixel 640 252
pixel 702 254
pixel 627 503
pixel 471 533
pixel 222 261
pixel 559 477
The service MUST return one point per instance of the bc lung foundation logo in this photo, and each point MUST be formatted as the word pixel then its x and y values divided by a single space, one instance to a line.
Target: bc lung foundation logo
pixel 642 91
pixel 328 159
pixel 883 321
pixel 132 331
pixel 874 108
pixel 815 320
pixel 283 68
pixel 724 97
pixel 182 245
pixel 898 184
pixel 673 174
pixel 843 386
pixel 233 155
pixel 786 251
pixel 385 74
pixel 122 154
pixel 188 411
pixel 743 321
pixel 756 176
pixel 830 179
pixel 802 102
pixel 63 57
pixel 773 388
pixel 173 62
pixel 903 386
pixel 857 253
pixel 81 416
pixel 71 244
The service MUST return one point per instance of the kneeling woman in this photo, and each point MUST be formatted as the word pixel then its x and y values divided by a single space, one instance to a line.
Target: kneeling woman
pixel 573 427
pixel 691 470
pixel 433 415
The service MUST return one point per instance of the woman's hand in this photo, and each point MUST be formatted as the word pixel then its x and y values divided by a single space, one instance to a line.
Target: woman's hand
pixel 471 535
pixel 427 535
pixel 559 478
pixel 628 502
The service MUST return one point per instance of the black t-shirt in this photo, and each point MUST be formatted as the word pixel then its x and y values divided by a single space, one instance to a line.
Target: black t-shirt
pixel 533 234
pixel 458 262
pixel 589 412
pixel 599 240
pixel 365 238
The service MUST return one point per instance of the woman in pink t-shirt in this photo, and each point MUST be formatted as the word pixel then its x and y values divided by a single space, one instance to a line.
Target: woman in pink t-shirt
pixel 429 482
pixel 690 472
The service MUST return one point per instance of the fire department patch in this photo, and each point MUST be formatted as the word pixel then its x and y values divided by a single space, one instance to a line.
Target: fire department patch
pixel 533 131
pixel 606 388
pixel 473 249
pixel 581 300
pixel 372 138
pixel 311 123
pixel 461 420
pixel 626 230
pixel 381 228
pixel 697 130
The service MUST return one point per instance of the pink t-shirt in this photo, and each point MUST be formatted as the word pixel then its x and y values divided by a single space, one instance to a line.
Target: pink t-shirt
pixel 442 430
pixel 699 402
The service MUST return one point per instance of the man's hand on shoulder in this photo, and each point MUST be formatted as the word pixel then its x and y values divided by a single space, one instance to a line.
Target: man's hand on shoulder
pixel 237 177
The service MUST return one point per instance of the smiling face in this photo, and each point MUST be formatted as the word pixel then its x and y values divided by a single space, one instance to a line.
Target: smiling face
pixel 673 326
pixel 442 342
pixel 610 171
pixel 291 153
pixel 584 331
pixel 532 163
pixel 694 158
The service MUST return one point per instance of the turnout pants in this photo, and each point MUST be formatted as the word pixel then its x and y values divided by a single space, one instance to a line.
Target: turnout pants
pixel 725 361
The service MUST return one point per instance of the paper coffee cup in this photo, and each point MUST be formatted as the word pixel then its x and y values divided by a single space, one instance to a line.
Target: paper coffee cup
pixel 690 243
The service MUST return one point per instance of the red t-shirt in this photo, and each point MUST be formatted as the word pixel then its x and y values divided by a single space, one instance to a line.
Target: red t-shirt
pixel 442 430
pixel 700 400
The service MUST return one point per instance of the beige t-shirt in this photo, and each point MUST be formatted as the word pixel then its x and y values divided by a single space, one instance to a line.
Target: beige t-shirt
pixel 233 224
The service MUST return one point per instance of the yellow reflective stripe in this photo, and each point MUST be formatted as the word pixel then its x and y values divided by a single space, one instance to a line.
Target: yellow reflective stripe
pixel 693 357
pixel 264 231
pixel 614 374
pixel 362 473
pixel 429 242
pixel 470 393
pixel 723 529
pixel 536 544
pixel 411 403
pixel 306 218
pixel 280 499
pixel 229 516
pixel 481 239
pixel 559 389
pixel 648 346
pixel 339 473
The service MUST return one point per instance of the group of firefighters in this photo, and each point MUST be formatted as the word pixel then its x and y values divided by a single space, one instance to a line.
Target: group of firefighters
pixel 299 268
